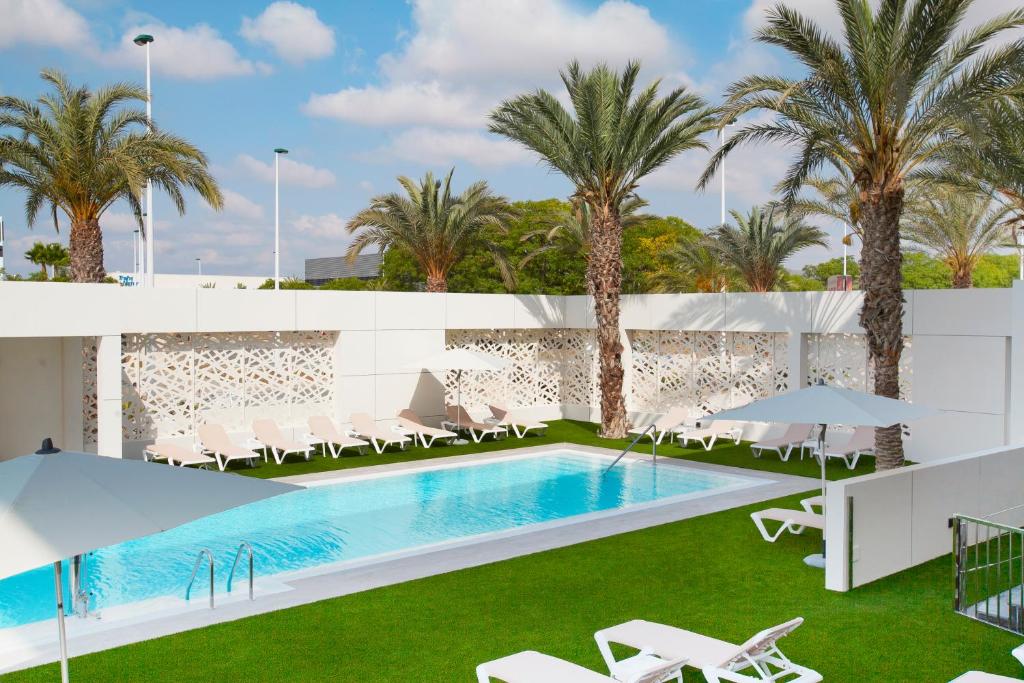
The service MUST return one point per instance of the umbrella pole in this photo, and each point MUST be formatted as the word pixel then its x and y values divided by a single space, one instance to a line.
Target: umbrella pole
pixel 59 584
pixel 458 409
pixel 819 560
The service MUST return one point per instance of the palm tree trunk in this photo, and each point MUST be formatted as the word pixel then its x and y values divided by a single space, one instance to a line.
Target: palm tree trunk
pixel 437 283
pixel 962 277
pixel 881 315
pixel 86 251
pixel 604 278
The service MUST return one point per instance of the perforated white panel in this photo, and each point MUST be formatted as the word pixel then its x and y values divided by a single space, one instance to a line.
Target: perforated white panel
pixel 843 360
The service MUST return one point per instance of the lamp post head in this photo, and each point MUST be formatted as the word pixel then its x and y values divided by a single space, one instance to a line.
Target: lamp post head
pixel 280 150
pixel 143 39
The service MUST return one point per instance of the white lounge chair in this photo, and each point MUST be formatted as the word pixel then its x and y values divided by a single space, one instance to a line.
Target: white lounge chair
pixel 459 418
pixel 758 659
pixel 365 427
pixel 413 424
pixel 664 425
pixel 175 455
pixel 982 677
pixel 269 434
pixel 534 667
pixel 810 504
pixel 214 440
pixel 794 437
pixel 707 432
pixel 514 419
pixel 861 441
pixel 793 521
pixel 322 430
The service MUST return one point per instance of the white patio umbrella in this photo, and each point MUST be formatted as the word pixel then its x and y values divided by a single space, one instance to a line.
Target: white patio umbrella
pixel 459 360
pixel 827 405
pixel 55 505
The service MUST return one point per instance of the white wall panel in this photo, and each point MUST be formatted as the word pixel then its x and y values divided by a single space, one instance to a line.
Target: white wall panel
pixel 400 351
pixel 334 310
pixel 245 310
pixel 962 311
pixel 356 353
pixel 406 311
pixel 961 373
pixel 495 311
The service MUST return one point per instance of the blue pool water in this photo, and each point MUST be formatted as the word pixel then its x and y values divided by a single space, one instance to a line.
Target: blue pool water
pixel 362 518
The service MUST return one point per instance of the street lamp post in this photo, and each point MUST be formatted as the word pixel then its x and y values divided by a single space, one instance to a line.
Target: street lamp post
pixel 144 39
pixel 721 143
pixel 277 216
pixel 1018 235
pixel 199 266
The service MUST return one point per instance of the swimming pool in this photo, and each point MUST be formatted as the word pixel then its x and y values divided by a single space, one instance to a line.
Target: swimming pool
pixel 364 517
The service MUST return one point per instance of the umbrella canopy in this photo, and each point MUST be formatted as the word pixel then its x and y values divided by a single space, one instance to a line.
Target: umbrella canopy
pixel 462 359
pixel 823 404
pixel 64 504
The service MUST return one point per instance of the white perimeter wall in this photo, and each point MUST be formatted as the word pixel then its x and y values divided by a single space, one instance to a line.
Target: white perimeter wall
pixel 964 342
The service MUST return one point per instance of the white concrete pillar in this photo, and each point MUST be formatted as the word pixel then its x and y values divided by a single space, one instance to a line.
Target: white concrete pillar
pixel 796 359
pixel 1015 364
pixel 108 395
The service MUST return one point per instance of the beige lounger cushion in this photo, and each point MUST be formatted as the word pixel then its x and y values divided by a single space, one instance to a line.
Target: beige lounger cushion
pixel 322 427
pixel 214 438
pixel 461 416
pixel 534 667
pixel 982 677
pixel 407 419
pixel 269 434
pixel 798 517
pixel 178 454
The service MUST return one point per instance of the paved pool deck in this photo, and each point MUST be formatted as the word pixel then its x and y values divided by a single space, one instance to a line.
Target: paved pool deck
pixel 36 644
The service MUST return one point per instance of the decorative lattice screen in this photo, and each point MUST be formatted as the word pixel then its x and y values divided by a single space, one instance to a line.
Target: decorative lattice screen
pixel 705 371
pixel 548 367
pixel 843 360
pixel 172 382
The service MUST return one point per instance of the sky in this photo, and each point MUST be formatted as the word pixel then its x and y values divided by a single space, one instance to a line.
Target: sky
pixel 362 92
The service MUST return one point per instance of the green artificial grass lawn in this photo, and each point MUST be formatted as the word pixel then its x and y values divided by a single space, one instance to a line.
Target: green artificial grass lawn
pixel 711 574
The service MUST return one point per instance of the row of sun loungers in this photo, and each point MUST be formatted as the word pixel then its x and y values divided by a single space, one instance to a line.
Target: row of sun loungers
pixel 661 654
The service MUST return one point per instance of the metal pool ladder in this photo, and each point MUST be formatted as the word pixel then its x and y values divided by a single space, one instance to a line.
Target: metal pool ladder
pixel 205 552
pixel 244 547
pixel 654 447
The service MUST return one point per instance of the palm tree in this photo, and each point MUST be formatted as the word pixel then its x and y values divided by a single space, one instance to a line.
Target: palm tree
pixel 694 265
pixel 77 152
pixel 37 255
pixel 757 246
pixel 881 105
pixel 571 233
pixel 434 226
pixel 835 197
pixel 960 227
pixel 612 139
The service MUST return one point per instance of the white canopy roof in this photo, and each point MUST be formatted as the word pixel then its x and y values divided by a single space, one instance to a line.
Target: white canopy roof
pixel 462 359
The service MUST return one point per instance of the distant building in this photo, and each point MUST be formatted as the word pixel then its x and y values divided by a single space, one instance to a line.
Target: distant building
pixel 321 270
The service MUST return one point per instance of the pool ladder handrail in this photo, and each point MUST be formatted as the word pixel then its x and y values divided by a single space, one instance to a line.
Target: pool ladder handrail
pixel 195 571
pixel 654 447
pixel 244 546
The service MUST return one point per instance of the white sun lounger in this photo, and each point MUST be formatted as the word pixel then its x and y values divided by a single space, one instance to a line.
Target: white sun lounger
pixel 413 424
pixel 811 503
pixel 706 432
pixel 664 425
pixel 860 442
pixel 982 677
pixel 460 418
pixel 175 455
pixel 512 418
pixel 793 521
pixel 214 439
pixel 534 667
pixel 322 430
pixel 794 437
pixel 364 426
pixel 758 659
pixel 270 436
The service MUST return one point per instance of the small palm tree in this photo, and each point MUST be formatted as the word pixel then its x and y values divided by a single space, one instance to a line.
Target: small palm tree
pixel 613 138
pixel 882 104
pixel 435 226
pixel 694 265
pixel 959 227
pixel 77 152
pixel 757 247
pixel 49 257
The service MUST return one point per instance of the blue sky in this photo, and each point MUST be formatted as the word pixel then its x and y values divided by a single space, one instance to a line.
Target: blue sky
pixel 360 92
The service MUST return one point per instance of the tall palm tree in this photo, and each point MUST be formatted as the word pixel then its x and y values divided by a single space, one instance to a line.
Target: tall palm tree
pixel 758 246
pixel 77 152
pixel 611 140
pixel 960 227
pixel 38 255
pixel 570 234
pixel 693 265
pixel 880 104
pixel 436 227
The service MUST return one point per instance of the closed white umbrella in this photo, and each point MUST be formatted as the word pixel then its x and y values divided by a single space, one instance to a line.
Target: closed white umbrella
pixel 55 505
pixel 827 405
pixel 459 360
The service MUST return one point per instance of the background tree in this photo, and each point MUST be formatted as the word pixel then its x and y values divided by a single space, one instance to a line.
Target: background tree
pixel 693 266
pixel 759 245
pixel 433 225
pixel 821 272
pixel 884 103
pixel 77 152
pixel 49 256
pixel 614 137
pixel 960 227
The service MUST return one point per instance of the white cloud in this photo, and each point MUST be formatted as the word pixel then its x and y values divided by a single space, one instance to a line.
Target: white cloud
pixel 292 172
pixel 326 226
pixel 293 31
pixel 400 104
pixel 194 53
pixel 240 205
pixel 441 147
pixel 41 22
